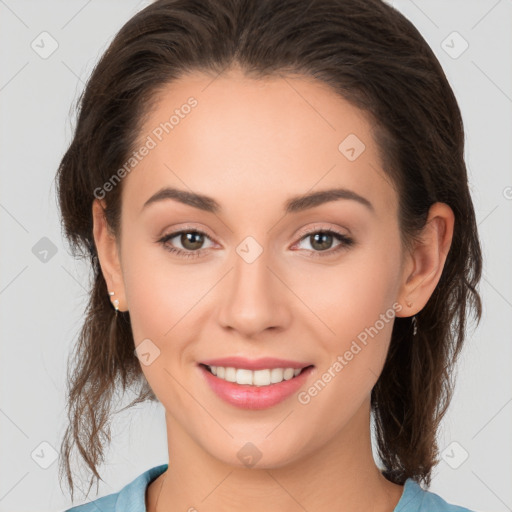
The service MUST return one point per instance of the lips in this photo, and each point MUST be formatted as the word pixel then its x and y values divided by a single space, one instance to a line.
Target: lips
pixel 246 396
pixel 255 364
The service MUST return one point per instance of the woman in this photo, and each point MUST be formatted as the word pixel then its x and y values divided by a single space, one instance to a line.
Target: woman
pixel 274 200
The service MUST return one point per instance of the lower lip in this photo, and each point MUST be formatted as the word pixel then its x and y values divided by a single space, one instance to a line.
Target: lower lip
pixel 255 397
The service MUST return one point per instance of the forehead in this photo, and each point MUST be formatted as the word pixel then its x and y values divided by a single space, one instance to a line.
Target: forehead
pixel 245 138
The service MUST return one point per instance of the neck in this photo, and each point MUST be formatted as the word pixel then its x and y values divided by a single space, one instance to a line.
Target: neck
pixel 341 475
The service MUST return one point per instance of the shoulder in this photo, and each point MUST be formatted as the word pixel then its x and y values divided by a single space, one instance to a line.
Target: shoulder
pixel 105 504
pixel 131 498
pixel 416 499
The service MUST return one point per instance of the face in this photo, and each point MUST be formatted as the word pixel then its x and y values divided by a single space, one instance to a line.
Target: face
pixel 317 283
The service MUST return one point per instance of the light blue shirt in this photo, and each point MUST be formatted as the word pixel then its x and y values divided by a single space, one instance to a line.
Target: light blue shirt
pixel 132 498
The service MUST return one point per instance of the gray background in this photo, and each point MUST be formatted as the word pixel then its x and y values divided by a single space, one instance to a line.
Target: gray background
pixel 42 295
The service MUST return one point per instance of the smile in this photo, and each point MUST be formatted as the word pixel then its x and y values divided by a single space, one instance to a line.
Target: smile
pixel 264 377
pixel 254 389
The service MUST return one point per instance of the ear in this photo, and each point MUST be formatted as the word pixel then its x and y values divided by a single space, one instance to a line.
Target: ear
pixel 424 265
pixel 108 254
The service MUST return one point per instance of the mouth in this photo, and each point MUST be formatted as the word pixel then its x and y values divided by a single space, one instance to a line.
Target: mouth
pixel 255 389
pixel 259 378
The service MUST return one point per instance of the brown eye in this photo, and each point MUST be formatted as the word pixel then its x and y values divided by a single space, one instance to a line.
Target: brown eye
pixel 191 240
pixel 321 241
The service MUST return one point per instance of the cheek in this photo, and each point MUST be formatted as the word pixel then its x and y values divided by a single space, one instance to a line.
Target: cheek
pixel 350 296
pixel 165 297
pixel 358 310
pixel 163 300
pixel 353 307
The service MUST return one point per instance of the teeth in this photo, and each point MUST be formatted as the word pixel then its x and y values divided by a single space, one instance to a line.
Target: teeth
pixel 254 378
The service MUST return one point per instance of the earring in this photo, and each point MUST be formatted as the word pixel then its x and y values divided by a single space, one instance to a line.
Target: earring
pixel 415 325
pixel 413 321
pixel 115 302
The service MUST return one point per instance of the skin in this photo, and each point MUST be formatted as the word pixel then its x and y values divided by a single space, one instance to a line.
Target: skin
pixel 252 144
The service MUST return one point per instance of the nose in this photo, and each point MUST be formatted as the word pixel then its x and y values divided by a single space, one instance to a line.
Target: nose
pixel 254 298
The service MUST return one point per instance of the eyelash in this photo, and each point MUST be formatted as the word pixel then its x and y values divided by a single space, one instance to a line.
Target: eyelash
pixel 346 242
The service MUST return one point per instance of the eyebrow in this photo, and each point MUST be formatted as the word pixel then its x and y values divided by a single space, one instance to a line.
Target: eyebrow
pixel 292 205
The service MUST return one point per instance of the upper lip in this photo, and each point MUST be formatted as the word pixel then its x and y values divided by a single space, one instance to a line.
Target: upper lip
pixel 254 364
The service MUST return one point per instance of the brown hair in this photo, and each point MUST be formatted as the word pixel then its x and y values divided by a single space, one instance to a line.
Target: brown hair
pixel 373 57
